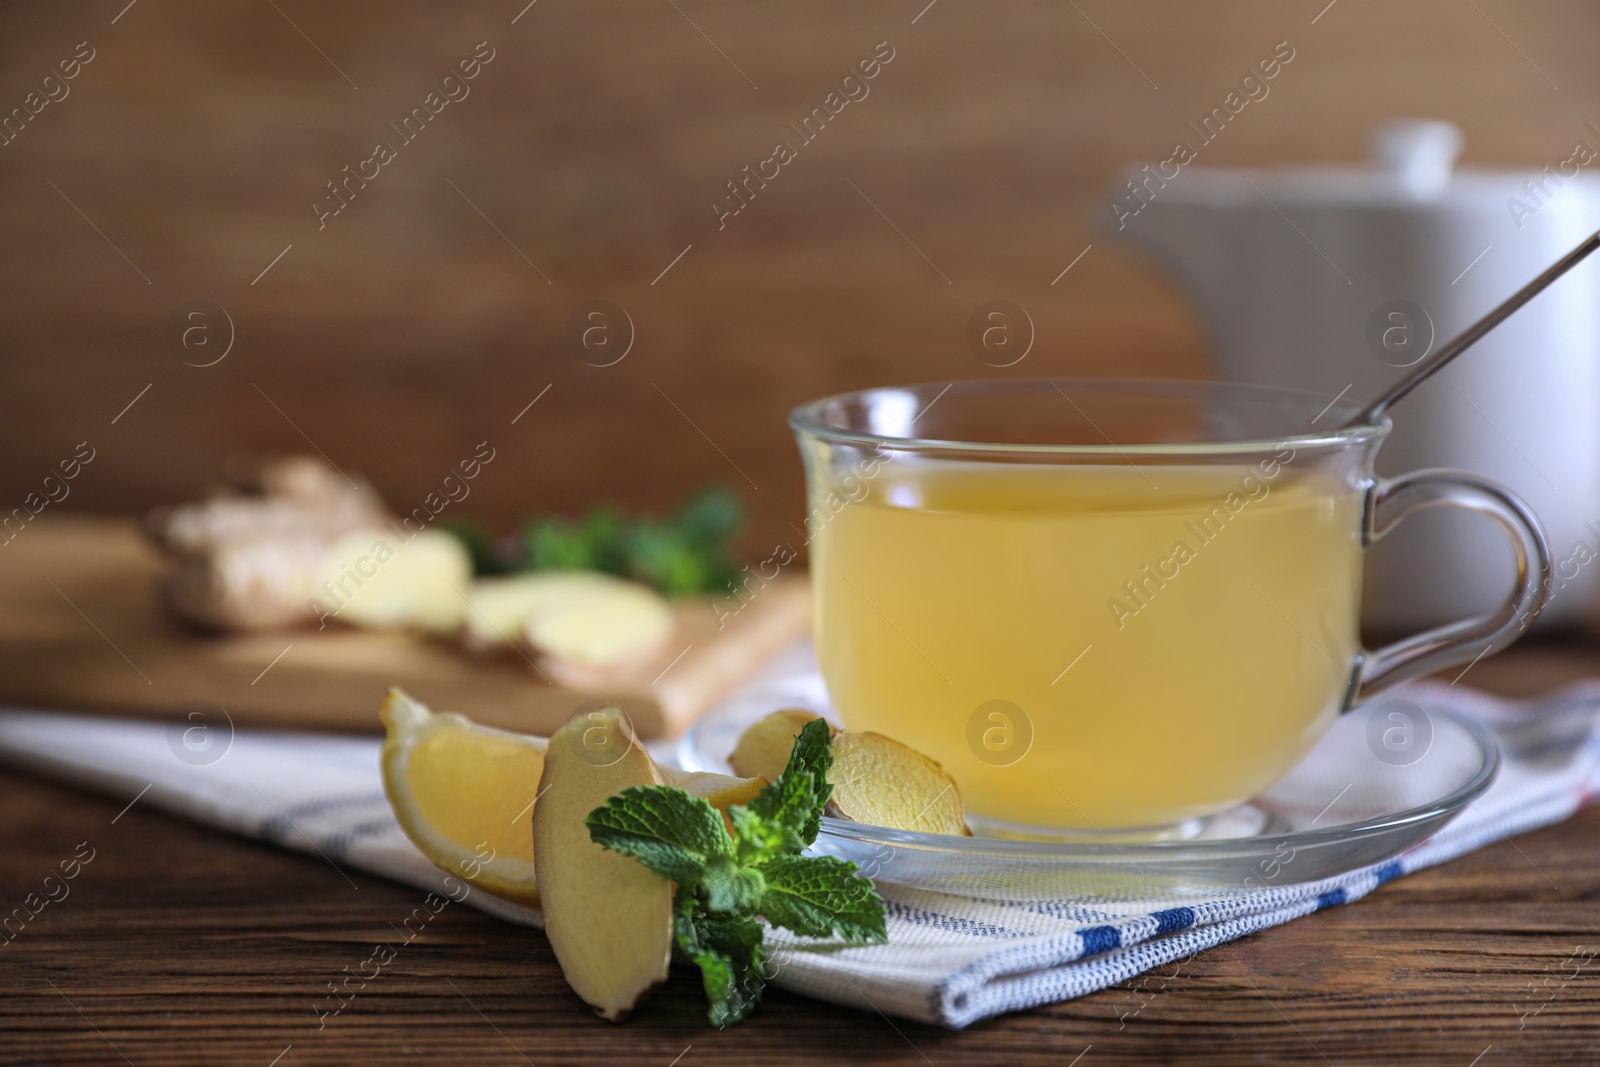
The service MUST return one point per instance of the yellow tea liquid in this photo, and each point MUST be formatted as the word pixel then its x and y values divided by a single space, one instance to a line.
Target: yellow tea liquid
pixel 1093 647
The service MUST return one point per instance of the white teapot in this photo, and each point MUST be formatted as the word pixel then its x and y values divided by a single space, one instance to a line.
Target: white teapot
pixel 1334 278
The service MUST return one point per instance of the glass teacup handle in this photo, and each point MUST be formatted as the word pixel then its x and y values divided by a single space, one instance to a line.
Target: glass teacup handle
pixel 1389 502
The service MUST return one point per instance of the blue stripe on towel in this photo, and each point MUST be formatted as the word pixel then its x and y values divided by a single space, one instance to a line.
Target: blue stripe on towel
pixel 953 923
pixel 1098 939
pixel 1171 920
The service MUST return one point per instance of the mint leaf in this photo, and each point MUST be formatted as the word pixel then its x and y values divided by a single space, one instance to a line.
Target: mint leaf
pixel 687 554
pixel 730 991
pixel 731 889
pixel 660 555
pixel 664 828
pixel 740 938
pixel 692 553
pixel 593 544
pixel 731 962
pixel 712 518
pixel 821 896
pixel 797 798
pixel 757 840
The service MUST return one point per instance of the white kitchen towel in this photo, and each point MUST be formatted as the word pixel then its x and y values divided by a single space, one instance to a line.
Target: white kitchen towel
pixel 950 960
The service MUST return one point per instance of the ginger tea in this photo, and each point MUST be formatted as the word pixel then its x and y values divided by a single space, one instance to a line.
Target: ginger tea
pixel 1093 646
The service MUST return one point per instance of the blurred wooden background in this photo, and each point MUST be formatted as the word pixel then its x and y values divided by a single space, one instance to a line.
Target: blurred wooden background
pixel 420 320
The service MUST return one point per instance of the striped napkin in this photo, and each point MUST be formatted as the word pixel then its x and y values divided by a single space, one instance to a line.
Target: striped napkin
pixel 950 960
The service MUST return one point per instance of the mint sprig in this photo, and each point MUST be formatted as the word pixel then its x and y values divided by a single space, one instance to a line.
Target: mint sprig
pixel 726 881
pixel 687 553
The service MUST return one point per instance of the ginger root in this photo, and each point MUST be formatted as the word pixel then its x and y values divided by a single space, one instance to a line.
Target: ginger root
pixel 296 497
pixel 249 583
pixel 301 544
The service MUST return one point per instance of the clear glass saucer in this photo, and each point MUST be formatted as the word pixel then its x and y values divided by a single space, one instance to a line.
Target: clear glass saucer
pixel 1352 802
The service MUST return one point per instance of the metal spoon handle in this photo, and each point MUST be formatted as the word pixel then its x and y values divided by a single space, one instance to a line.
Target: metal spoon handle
pixel 1470 336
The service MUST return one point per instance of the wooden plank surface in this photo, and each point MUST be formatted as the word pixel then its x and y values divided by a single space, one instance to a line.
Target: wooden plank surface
pixel 181 946
pixel 81 629
pixel 178 945
pixel 407 329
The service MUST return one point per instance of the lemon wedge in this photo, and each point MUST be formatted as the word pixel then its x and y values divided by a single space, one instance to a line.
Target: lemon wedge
pixel 464 794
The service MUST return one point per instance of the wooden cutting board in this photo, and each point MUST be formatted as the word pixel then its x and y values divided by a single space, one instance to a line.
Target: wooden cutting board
pixel 81 628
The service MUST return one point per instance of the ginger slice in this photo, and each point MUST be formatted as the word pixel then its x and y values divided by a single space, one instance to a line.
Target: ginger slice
pixel 764 747
pixel 603 626
pixel 876 779
pixel 719 790
pixel 608 917
pixel 376 580
pixel 582 624
pixel 497 608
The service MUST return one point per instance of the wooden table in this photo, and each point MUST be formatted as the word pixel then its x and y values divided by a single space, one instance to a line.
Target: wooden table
pixel 178 945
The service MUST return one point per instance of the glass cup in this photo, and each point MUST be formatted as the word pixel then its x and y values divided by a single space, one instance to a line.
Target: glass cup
pixel 1115 606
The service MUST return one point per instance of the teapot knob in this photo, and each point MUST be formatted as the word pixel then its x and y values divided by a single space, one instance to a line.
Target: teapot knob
pixel 1418 153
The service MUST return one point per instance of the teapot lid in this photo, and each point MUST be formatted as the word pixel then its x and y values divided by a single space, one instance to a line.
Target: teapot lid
pixel 1417 154
pixel 1413 164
